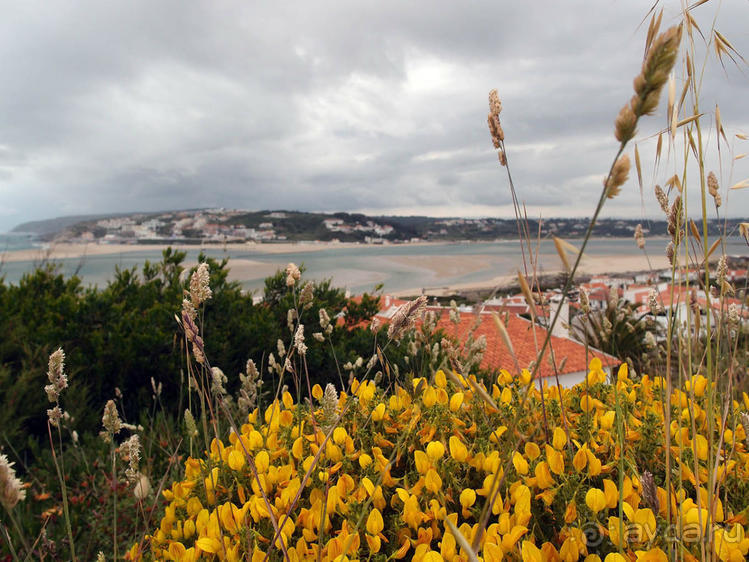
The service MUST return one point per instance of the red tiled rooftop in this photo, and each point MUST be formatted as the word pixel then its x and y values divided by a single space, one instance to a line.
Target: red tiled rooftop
pixel 525 345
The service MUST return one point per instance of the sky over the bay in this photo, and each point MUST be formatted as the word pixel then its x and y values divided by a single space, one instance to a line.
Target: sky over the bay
pixel 375 106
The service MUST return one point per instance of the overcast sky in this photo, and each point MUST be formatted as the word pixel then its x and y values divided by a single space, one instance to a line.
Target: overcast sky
pixel 376 106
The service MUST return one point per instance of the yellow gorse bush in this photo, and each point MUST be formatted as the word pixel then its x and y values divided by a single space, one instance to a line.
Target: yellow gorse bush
pixel 400 473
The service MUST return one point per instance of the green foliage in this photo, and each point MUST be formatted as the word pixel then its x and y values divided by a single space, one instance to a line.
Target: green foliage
pixel 120 338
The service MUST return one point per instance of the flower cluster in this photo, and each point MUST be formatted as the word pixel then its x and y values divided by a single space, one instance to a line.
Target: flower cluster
pixel 425 471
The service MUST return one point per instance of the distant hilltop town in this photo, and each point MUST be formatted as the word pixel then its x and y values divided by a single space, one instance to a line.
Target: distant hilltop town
pixel 220 226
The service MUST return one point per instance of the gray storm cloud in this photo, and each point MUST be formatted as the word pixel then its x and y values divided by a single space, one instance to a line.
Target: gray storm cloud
pixel 375 106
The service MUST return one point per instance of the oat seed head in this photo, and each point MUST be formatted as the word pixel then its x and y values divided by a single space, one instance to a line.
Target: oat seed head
pixel 329 407
pixel 299 344
pixel 619 175
pixel 306 295
pixel 405 317
pixel 670 252
pixel 142 487
pixel 662 198
pixel 55 415
pixel 653 301
pixel 584 301
pixel 655 71
pixel 132 449
pixel 11 488
pixel 722 269
pixel 190 425
pixel 292 274
pixel 56 375
pixel 625 125
pixel 200 290
pixel 733 316
pixel 744 230
pixel 713 188
pixel 675 217
pixel 111 419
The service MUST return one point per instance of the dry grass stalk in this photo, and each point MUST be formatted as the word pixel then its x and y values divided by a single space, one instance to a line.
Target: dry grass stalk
pixel 619 175
pixel 405 317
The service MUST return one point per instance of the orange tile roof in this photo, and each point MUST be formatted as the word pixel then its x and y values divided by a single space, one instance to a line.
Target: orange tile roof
pixel 526 347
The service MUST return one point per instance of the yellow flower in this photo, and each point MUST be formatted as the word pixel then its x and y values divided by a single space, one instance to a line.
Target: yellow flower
pixel 375 524
pixel 595 499
pixel 208 544
pixel 555 459
pixel 698 383
pixel 570 514
pixel 365 460
pixel 652 555
pixel 432 481
pixel 379 412
pixel 560 438
pixel 521 465
pixel 531 552
pixel 543 476
pixel 435 450
pixel 532 451
pixel 614 557
pixel 236 460
pixel 580 459
pixel 509 540
pixel 594 465
pixel 422 462
pixel 429 398
pixel 458 450
pixel 467 497
pixel 606 421
pixel 456 401
pixel 339 435
pixel 611 492
pixel 701 446
pixel 495 435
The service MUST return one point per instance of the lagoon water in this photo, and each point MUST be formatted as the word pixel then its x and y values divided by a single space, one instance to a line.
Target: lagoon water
pixel 359 268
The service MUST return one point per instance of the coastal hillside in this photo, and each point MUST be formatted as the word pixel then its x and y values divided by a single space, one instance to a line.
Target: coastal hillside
pixel 233 225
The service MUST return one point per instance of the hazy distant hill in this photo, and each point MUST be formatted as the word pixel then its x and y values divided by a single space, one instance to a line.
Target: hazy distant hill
pixel 199 226
pixel 58 224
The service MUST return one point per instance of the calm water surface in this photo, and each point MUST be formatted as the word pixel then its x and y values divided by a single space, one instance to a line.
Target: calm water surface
pixel 357 269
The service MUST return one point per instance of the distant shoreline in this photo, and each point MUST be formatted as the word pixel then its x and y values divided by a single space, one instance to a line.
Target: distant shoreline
pixel 437 272
pixel 76 250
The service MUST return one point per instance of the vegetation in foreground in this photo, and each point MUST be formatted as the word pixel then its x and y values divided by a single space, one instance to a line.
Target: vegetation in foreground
pixel 422 462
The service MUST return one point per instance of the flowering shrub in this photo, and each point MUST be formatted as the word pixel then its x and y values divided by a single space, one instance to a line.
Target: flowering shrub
pixel 401 475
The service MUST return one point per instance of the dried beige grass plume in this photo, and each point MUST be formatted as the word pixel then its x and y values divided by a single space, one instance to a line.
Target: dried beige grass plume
pixel 674 217
pixel 639 237
pixel 11 488
pixel 662 198
pixel 648 84
pixel 712 186
pixel 744 231
pixel 405 317
pixel 495 127
pixel 618 176
pixel 200 290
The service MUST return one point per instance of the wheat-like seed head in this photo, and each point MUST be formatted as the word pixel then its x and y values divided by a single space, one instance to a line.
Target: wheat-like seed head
pixel 618 176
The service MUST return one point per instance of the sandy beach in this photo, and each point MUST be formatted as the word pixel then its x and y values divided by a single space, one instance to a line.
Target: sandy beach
pixel 590 265
pixel 76 251
pixel 444 273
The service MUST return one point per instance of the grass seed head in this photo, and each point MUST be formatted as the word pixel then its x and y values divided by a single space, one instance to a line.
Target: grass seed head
pixel 11 488
pixel 618 176
pixel 662 198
